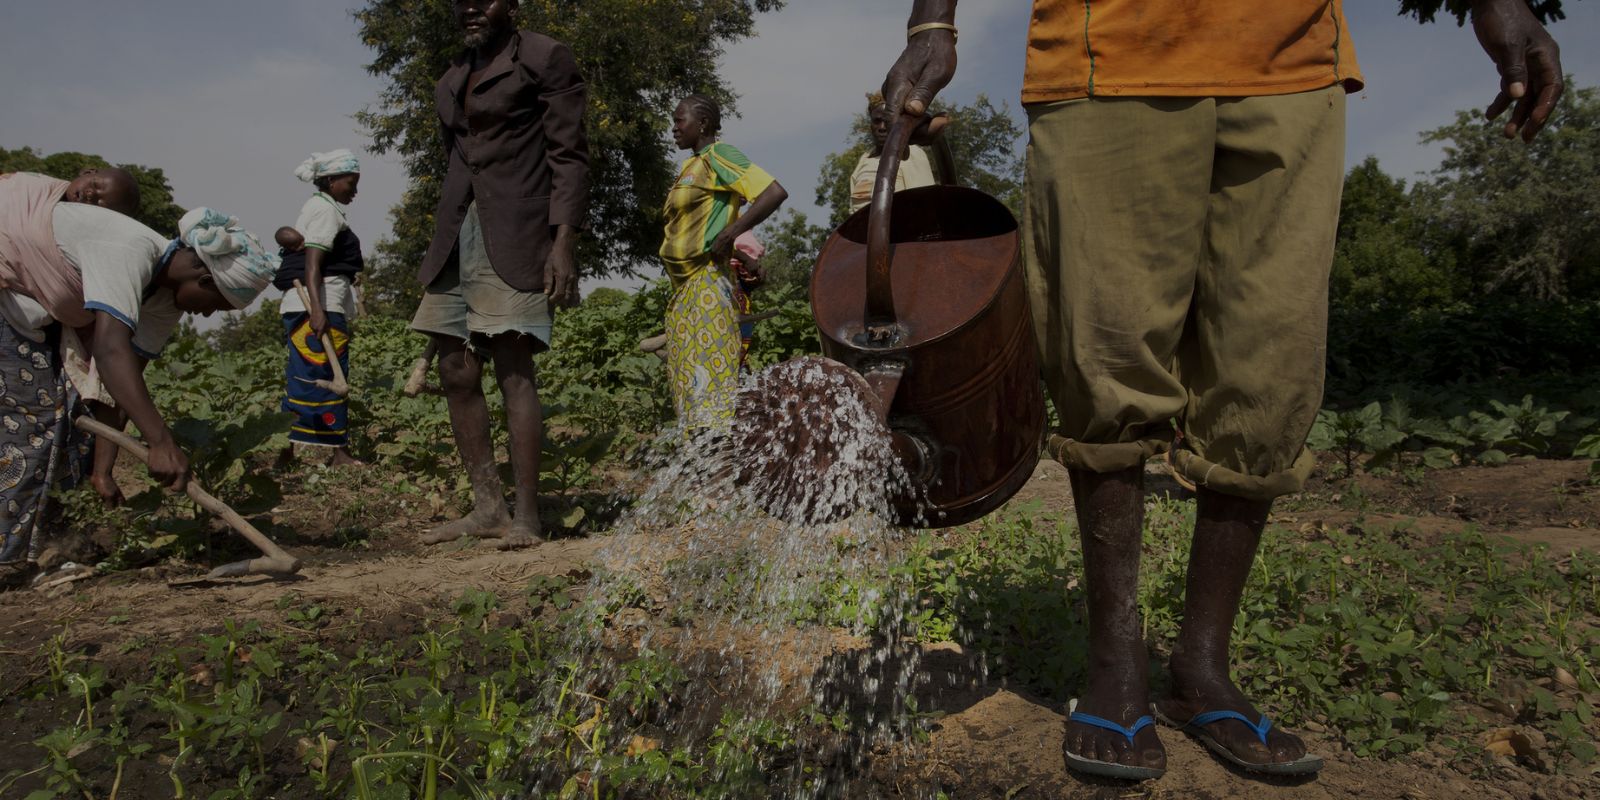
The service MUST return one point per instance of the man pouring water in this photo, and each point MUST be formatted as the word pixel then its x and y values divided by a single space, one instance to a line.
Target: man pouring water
pixel 1184 171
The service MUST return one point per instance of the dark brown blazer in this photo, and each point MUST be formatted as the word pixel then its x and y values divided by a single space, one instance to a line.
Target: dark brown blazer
pixel 520 151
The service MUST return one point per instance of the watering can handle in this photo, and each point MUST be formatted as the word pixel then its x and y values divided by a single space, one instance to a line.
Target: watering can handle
pixel 880 315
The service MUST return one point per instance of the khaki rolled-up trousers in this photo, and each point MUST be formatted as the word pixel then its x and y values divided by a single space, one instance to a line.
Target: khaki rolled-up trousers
pixel 1177 257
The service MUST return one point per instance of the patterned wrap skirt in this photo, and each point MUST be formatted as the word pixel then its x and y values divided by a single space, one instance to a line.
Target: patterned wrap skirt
pixel 321 417
pixel 703 349
pixel 31 414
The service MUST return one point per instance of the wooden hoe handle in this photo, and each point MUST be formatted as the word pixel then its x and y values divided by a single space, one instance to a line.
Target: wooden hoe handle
pixel 276 561
pixel 419 370
pixel 327 347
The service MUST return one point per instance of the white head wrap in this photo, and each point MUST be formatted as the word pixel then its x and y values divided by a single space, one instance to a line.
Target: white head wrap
pixel 321 165
pixel 238 263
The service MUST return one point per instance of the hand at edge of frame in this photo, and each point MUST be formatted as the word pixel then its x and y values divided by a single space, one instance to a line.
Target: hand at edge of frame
pixel 1529 61
pixel 923 69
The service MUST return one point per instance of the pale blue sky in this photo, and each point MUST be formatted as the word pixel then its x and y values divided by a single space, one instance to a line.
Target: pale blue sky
pixel 228 96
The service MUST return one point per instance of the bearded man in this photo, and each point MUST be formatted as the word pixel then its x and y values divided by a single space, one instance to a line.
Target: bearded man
pixel 511 113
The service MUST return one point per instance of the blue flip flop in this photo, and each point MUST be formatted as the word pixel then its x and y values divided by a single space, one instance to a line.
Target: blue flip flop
pixel 1305 765
pixel 1109 769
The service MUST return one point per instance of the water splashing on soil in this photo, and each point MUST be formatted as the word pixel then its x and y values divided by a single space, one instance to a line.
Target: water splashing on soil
pixel 755 560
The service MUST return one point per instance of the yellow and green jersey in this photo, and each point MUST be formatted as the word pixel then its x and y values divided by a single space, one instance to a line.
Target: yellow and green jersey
pixel 703 202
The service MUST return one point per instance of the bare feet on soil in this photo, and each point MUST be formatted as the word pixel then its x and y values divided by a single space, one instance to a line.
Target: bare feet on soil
pixel 521 534
pixel 317 454
pixel 1195 693
pixel 478 525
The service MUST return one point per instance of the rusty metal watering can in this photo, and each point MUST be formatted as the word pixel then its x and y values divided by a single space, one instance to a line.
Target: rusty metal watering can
pixel 921 295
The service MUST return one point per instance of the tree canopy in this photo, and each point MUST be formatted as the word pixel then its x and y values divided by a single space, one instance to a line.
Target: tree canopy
pixel 1523 219
pixel 1380 257
pixel 1426 10
pixel 1497 221
pixel 156 208
pixel 638 60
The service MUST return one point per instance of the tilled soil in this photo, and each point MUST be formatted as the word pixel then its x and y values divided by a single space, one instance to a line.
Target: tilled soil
pixel 987 740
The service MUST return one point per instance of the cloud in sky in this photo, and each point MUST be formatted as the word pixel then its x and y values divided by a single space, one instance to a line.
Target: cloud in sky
pixel 803 78
pixel 229 97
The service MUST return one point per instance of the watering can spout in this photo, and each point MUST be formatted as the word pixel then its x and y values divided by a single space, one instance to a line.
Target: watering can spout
pixel 913 452
pixel 884 377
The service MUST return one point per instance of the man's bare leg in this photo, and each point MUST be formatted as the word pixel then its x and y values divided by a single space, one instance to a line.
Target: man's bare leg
pixel 513 368
pixel 1227 531
pixel 461 375
pixel 1111 527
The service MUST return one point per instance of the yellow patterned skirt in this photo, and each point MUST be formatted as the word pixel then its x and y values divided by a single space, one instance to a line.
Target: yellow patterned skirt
pixel 703 349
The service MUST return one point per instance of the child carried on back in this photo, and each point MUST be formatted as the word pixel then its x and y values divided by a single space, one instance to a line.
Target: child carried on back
pixel 322 254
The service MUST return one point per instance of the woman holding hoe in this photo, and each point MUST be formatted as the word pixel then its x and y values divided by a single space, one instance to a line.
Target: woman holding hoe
pixel 123 288
pixel 322 254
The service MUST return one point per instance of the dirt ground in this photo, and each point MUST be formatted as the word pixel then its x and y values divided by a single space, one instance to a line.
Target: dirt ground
pixel 990 742
pixel 996 742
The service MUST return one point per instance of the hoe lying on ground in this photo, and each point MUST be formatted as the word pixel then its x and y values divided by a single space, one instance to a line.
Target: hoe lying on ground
pixel 274 561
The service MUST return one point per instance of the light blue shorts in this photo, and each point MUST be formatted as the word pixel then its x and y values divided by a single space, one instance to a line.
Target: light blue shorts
pixel 474 299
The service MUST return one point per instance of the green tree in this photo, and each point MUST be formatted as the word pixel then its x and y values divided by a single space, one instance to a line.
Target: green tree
pixel 243 331
pixel 156 208
pixel 792 244
pixel 638 60
pixel 1524 219
pixel 983 140
pixel 1425 10
pixel 1380 258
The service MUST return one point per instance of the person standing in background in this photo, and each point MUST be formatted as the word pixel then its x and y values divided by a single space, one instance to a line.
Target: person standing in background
pixel 917 169
pixel 324 255
pixel 703 221
pixel 513 202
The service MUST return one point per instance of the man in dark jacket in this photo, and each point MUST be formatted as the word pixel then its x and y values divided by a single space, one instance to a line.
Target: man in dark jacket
pixel 511 113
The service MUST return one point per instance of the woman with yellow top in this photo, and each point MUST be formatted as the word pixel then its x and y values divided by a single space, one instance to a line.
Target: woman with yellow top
pixel 702 220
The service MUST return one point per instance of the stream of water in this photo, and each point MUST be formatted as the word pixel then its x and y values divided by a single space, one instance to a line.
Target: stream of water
pixel 756 557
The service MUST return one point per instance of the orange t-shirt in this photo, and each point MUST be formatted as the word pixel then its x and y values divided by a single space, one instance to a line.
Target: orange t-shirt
pixel 1187 48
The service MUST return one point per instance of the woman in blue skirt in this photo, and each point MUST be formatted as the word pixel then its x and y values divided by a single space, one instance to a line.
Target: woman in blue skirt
pixel 324 255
